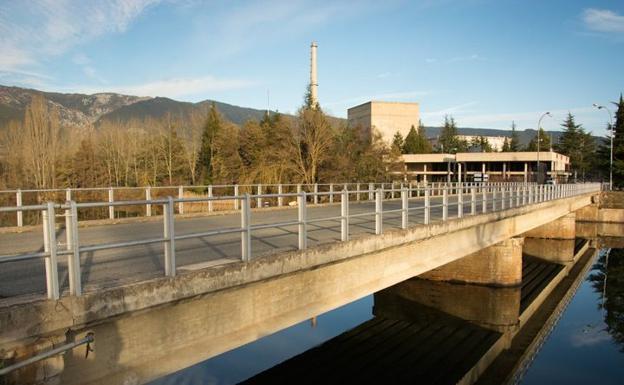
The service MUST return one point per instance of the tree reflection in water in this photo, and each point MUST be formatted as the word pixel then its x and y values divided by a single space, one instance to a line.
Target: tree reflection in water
pixel 607 279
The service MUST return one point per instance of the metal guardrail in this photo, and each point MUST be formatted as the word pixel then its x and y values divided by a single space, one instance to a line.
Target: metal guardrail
pixel 492 197
pixel 113 194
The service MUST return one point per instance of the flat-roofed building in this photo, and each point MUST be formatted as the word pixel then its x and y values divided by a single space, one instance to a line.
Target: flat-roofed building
pixel 386 118
pixel 499 166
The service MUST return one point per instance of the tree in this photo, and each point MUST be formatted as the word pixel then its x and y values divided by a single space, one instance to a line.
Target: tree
pixel 449 140
pixel 544 142
pixel 577 144
pixel 506 145
pixel 618 145
pixel 398 142
pixel 514 144
pixel 481 143
pixel 206 151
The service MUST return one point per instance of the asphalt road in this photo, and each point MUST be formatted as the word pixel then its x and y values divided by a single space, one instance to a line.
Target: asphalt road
pixel 107 268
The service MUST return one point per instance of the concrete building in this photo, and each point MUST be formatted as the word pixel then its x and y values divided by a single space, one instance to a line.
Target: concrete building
pixel 499 166
pixel 386 118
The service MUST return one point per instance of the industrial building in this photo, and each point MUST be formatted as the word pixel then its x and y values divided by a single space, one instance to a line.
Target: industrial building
pixel 498 166
pixel 384 118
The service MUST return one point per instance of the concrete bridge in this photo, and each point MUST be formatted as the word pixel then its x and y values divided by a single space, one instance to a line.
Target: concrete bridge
pixel 472 234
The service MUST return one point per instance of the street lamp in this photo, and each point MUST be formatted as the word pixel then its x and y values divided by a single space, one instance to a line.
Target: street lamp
pixel 612 135
pixel 539 127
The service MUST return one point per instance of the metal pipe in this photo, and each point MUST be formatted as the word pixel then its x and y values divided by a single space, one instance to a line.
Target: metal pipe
pixel 90 338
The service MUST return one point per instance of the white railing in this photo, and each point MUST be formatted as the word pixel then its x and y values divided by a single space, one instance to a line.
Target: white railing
pixel 19 198
pixel 434 202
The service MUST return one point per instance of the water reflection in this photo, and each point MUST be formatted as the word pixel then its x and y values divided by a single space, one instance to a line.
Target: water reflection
pixel 607 279
pixel 587 343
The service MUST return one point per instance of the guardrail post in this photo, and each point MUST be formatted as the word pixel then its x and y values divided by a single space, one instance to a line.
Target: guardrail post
pixel 344 216
pixel 331 193
pixel 427 206
pixel 18 203
pixel 484 194
pixel 301 211
pixel 210 195
pixel 518 192
pixel 49 243
pixel 73 245
pixel 148 197
pixel 259 199
pixel 494 198
pixel 379 211
pixel 371 188
pixel 111 199
pixel 524 194
pixel 503 196
pixel 315 199
pixel 445 203
pixel 299 188
pixel 357 195
pixel 473 200
pixel 169 235
pixel 404 208
pixel 245 228
pixel 460 202
pixel 181 196
pixel 280 198
pixel 236 200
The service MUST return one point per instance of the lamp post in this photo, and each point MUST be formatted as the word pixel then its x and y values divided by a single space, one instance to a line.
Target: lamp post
pixel 611 135
pixel 539 128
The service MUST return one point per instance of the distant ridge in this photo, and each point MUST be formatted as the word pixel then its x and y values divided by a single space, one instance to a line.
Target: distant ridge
pixel 81 111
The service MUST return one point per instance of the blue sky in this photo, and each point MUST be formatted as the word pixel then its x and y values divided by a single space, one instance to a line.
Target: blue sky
pixel 484 62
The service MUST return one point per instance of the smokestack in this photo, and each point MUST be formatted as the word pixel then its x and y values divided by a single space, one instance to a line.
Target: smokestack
pixel 313 79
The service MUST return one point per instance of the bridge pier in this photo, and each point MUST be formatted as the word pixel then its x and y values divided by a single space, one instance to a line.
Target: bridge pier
pixel 492 308
pixel 562 228
pixel 552 250
pixel 497 265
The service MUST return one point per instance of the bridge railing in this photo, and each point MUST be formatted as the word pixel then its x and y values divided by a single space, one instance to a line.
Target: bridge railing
pixel 31 197
pixel 430 203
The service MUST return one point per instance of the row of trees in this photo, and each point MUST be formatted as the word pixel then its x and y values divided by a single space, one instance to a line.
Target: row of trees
pixel 202 148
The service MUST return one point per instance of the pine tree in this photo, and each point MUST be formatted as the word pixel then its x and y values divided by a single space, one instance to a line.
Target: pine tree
pixel 207 150
pixel 618 145
pixel 398 142
pixel 506 145
pixel 514 144
pixel 422 136
pixel 544 142
pixel 411 144
pixel 449 141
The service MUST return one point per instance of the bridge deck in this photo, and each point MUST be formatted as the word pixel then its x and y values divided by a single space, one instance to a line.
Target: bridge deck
pixel 107 268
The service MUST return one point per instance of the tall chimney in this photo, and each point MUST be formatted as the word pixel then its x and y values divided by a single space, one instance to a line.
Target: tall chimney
pixel 313 79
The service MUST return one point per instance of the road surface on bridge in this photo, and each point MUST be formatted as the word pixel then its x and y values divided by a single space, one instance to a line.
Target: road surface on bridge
pixel 106 268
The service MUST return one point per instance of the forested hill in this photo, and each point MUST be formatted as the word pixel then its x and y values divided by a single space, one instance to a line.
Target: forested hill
pixel 81 110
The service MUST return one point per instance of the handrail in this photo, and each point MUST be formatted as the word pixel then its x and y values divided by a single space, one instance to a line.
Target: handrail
pixel 462 197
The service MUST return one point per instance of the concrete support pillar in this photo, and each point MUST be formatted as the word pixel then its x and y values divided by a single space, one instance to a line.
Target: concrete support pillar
pixel 552 250
pixel 497 265
pixel 483 168
pixel 459 172
pixel 495 308
pixel 504 170
pixel 425 176
pixel 562 228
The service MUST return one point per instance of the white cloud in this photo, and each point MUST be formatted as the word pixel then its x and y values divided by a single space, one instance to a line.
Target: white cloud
pixel 603 20
pixel 473 57
pixel 388 96
pixel 31 31
pixel 173 88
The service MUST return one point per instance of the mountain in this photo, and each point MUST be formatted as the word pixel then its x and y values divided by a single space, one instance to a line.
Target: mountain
pixel 82 111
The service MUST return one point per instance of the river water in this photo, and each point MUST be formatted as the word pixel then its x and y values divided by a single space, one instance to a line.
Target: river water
pixel 585 346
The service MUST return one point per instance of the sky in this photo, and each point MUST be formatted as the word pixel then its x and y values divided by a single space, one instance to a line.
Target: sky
pixel 484 62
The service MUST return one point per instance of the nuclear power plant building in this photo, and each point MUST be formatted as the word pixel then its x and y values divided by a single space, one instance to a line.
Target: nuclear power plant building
pixel 385 118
